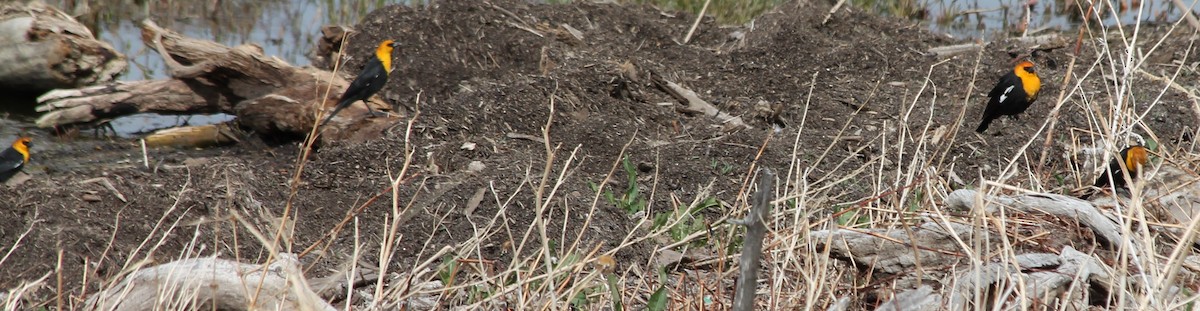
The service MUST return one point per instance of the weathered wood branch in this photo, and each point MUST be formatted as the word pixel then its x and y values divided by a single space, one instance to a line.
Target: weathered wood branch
pixel 1043 41
pixel 692 103
pixel 1048 280
pixel 1045 277
pixel 892 251
pixel 329 45
pixel 922 298
pixel 269 96
pixel 42 48
pixel 105 102
pixel 212 283
pixel 1059 205
pixel 969 281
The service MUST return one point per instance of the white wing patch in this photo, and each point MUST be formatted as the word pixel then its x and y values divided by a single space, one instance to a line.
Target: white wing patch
pixel 1004 95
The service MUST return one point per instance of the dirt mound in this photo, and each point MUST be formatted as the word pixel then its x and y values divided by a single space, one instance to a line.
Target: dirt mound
pixel 861 100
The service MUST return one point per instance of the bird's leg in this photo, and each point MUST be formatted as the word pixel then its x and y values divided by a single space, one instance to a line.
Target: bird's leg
pixel 372 113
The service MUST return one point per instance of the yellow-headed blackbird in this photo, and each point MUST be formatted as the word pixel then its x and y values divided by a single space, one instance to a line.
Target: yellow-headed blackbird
pixel 1132 158
pixel 14 158
pixel 372 78
pixel 1012 95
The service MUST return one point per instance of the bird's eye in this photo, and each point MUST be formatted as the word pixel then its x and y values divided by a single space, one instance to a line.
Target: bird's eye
pixel 1029 69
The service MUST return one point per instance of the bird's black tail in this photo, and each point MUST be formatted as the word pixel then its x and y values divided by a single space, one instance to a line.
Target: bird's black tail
pixel 983 125
pixel 1102 181
pixel 332 114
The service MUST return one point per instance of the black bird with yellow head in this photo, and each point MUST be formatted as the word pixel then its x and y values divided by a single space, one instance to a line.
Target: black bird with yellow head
pixel 1132 159
pixel 373 77
pixel 13 159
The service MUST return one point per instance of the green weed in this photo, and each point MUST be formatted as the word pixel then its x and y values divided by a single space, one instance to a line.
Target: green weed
pixel 631 199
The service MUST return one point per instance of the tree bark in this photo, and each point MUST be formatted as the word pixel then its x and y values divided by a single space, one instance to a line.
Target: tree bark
pixel 269 96
pixel 42 48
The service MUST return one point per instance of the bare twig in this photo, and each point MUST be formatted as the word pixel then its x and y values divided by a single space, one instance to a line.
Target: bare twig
pixel 145 155
pixel 1187 13
pixel 694 104
pixel 699 17
pixel 107 185
pixel 835 8
pixel 517 21
pixel 525 137
pixel 527 28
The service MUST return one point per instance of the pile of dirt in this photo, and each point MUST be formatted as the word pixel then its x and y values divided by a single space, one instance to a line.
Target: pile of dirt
pixel 481 81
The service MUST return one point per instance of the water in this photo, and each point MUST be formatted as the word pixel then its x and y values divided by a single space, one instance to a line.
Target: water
pixel 288 29
pixel 993 19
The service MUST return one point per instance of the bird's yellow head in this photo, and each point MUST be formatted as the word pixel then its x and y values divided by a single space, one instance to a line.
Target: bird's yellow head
pixel 1029 78
pixel 22 145
pixel 384 54
pixel 1135 157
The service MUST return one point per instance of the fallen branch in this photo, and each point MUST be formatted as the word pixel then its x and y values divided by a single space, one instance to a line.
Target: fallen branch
pixel 892 251
pixel 922 298
pixel 835 8
pixel 1187 14
pixel 42 48
pixel 105 102
pixel 1059 205
pixel 107 185
pixel 269 96
pixel 693 104
pixel 1054 281
pixel 212 283
pixel 1046 279
pixel 949 50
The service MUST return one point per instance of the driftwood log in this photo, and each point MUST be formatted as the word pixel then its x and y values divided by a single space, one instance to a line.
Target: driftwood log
pixel 42 48
pixel 212 283
pixel 329 45
pixel 1103 225
pixel 267 95
pixel 1046 279
pixel 936 265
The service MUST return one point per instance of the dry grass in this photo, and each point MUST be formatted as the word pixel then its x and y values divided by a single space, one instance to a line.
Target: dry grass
pixel 798 274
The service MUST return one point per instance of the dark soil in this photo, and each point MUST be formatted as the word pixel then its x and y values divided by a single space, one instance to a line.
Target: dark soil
pixel 479 79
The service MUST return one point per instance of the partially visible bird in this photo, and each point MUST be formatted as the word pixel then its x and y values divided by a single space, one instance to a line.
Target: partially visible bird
pixel 1133 158
pixel 373 77
pixel 1015 92
pixel 14 158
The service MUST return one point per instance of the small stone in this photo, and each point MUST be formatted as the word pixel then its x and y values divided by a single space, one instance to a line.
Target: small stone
pixel 475 167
